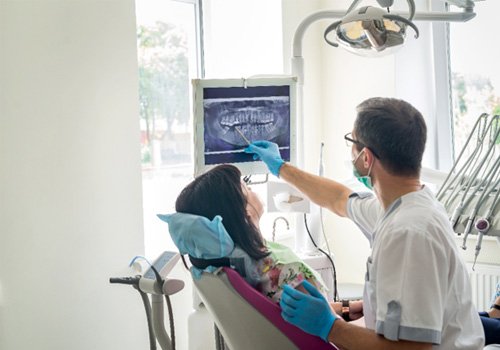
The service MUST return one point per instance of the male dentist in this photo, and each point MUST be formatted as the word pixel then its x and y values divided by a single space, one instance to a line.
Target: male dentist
pixel 417 293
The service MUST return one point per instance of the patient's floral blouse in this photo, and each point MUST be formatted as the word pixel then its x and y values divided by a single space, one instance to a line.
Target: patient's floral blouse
pixel 283 267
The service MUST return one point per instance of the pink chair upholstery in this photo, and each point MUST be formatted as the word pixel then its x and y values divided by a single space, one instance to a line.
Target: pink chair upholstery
pixel 249 320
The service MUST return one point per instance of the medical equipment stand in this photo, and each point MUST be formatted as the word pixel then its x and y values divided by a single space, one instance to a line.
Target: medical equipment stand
pixel 154 282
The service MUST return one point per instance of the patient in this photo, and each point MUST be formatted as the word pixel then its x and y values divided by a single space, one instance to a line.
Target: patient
pixel 220 191
pixel 491 320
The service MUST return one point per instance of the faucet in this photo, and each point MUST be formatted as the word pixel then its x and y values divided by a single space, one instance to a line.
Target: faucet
pixel 274 225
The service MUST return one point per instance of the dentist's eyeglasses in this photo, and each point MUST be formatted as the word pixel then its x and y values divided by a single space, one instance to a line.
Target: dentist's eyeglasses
pixel 349 141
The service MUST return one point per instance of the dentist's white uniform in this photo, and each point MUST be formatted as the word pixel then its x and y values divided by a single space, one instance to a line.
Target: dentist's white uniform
pixel 417 286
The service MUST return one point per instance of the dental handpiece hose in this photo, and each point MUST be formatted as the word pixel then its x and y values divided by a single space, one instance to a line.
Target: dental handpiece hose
pixel 446 184
pixel 482 198
pixel 158 322
pixel 125 280
pixel 464 203
pixel 478 246
pixel 321 171
pixel 134 281
pixel 481 201
pixel 483 224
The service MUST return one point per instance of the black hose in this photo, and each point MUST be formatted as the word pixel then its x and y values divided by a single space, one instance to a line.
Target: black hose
pixel 335 291
pixel 219 339
pixel 171 321
pixel 125 280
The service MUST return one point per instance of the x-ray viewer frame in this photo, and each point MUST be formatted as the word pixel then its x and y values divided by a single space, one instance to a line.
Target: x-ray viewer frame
pixel 258 108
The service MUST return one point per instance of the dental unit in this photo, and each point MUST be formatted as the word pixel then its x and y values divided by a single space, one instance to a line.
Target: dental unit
pixel 484 194
pixel 470 173
pixel 483 224
pixel 477 163
pixel 152 280
pixel 473 184
pixel 481 120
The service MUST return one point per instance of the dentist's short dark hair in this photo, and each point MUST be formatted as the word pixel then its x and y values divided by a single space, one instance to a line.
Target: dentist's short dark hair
pixel 396 132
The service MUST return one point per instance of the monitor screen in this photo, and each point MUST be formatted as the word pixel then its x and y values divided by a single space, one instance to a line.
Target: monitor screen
pixel 230 113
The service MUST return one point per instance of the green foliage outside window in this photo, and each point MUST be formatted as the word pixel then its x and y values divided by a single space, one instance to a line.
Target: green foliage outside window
pixel 163 83
pixel 472 96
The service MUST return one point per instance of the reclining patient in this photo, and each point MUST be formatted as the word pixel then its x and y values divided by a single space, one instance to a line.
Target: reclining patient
pixel 220 192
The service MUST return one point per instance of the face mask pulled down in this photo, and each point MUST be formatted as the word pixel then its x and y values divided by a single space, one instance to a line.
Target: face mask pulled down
pixel 366 179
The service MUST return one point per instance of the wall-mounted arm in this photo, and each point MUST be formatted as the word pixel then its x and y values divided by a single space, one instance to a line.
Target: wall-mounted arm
pixel 297 63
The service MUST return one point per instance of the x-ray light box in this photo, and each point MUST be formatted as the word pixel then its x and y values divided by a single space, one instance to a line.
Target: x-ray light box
pixel 229 113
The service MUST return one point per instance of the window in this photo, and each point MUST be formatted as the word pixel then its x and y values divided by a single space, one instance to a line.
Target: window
pixel 240 40
pixel 167 59
pixel 475 73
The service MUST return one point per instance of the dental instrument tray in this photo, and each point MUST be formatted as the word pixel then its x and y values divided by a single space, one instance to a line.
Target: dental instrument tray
pixel 155 281
pixel 163 264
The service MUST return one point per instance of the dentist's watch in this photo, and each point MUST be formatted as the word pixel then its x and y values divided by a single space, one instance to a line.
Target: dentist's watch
pixel 345 310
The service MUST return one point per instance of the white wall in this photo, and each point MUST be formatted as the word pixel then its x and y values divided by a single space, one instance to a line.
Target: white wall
pixel 70 180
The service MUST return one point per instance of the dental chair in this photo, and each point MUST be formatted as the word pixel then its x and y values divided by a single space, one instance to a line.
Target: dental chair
pixel 246 318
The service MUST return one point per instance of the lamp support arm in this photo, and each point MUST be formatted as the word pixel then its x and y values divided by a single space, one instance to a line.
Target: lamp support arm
pixel 298 37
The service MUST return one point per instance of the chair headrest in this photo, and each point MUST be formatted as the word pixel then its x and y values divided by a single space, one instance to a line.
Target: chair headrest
pixel 207 239
pixel 198 236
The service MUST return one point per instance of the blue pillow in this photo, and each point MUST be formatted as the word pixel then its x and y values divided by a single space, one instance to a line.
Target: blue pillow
pixel 199 237
pixel 204 239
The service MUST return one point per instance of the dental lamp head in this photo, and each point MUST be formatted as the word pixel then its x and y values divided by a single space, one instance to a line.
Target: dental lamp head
pixel 371 31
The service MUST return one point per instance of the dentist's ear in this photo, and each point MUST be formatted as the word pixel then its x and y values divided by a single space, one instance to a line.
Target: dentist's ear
pixel 368 157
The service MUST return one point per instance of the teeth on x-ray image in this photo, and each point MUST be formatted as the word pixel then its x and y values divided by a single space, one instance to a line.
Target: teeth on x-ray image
pixel 235 116
pixel 256 118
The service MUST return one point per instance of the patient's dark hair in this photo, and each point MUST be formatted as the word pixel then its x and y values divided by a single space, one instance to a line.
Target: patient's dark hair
pixel 219 192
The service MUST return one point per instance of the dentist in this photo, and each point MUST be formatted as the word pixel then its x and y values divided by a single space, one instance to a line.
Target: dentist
pixel 417 293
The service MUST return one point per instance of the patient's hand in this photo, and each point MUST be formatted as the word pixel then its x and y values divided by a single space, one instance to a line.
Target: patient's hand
pixel 355 309
pixel 495 313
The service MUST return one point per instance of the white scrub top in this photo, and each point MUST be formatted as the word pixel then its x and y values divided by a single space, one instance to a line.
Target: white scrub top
pixel 417 286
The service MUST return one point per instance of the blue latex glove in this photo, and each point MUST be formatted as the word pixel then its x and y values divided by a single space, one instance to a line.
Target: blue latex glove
pixel 310 312
pixel 269 153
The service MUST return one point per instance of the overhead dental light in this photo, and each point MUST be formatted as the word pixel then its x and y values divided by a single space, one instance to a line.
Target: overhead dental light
pixel 372 31
pixel 367 31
